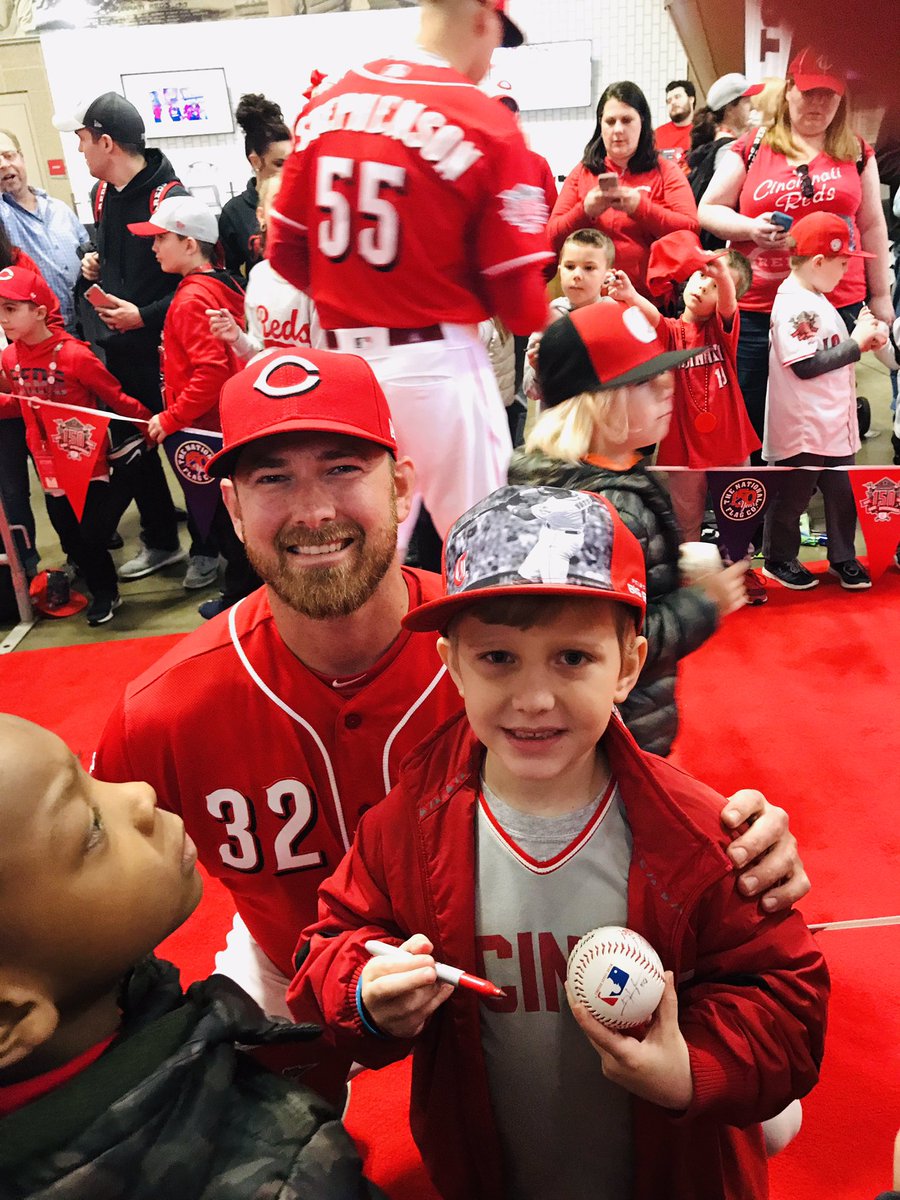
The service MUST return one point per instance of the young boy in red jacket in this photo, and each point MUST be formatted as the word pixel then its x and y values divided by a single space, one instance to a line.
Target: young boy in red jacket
pixel 45 362
pixel 195 365
pixel 517 828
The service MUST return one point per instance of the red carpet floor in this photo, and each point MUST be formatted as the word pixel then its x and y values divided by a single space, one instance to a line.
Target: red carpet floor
pixel 795 698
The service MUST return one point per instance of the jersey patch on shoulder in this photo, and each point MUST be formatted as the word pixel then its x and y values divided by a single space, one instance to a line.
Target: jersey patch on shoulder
pixel 524 207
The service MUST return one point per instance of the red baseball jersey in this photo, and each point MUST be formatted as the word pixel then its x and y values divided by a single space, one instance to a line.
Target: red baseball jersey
pixel 410 199
pixel 270 766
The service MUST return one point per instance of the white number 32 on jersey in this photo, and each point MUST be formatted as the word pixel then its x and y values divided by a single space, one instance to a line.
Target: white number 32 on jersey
pixel 288 799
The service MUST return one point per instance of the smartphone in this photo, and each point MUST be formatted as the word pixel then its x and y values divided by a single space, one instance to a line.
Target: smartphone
pixel 782 219
pixel 608 183
pixel 95 295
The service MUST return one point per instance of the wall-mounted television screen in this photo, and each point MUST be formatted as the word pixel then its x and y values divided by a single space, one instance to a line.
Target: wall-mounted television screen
pixel 181 103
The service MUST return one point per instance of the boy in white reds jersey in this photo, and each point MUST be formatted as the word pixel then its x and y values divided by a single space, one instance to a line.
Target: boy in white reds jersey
pixel 411 210
pixel 274 727
pixel 517 827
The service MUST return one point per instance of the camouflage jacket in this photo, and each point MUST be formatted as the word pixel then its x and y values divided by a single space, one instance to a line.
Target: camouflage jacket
pixel 174 1110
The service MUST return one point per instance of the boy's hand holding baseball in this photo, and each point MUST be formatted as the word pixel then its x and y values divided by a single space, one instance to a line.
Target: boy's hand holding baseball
pixel 401 994
pixel 658 1068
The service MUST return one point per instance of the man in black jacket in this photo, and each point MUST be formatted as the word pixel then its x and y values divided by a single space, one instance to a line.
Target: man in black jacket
pixel 132 180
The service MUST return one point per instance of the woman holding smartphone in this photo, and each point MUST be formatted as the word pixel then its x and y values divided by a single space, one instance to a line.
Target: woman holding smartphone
pixel 623 186
pixel 809 160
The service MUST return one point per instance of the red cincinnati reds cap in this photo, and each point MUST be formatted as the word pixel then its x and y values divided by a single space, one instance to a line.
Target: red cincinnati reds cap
pixel 824 233
pixel 303 390
pixel 536 541
pixel 809 70
pixel 603 345
pixel 19 283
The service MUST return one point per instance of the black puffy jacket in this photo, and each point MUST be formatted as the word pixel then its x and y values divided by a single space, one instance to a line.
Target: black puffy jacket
pixel 679 619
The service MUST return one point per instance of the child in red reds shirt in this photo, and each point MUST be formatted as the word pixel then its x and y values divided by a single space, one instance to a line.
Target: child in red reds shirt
pixel 53 365
pixel 710 427
pixel 195 365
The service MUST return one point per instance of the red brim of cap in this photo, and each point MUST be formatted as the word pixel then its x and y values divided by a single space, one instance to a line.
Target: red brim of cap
pixel 808 83
pixel 222 464
pixel 38 592
pixel 146 229
pixel 435 616
pixel 754 89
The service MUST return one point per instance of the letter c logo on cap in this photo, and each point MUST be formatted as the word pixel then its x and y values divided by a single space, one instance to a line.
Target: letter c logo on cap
pixel 6 273
pixel 297 386
pixel 638 325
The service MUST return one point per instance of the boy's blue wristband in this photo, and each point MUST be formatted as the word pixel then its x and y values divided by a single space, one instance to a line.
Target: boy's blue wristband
pixel 364 1015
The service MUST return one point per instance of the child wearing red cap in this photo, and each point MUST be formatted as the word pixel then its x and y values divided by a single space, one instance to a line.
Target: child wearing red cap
pixel 195 366
pixel 709 426
pixel 517 827
pixel 811 404
pixel 50 364
pixel 608 390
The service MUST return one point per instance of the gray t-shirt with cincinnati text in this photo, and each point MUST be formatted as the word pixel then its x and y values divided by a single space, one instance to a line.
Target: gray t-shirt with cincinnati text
pixel 543 882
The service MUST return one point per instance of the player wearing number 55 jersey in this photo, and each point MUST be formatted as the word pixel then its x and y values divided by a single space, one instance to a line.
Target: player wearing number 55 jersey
pixel 273 728
pixel 411 210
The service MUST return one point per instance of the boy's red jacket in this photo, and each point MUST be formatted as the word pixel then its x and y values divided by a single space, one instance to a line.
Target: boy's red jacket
pixel 79 377
pixel 752 988
pixel 195 364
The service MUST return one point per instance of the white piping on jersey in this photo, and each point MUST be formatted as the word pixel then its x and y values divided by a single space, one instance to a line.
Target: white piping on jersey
pixel 275 215
pixel 286 708
pixel 512 263
pixel 385 773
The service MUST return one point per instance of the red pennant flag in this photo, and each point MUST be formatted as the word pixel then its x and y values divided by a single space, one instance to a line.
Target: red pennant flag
pixel 71 442
pixel 877 495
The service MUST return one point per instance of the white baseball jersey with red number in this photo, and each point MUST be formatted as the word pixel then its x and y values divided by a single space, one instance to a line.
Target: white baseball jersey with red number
pixel 270 766
pixel 411 199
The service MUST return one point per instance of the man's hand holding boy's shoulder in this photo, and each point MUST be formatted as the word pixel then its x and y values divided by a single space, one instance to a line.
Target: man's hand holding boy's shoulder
pixel 764 851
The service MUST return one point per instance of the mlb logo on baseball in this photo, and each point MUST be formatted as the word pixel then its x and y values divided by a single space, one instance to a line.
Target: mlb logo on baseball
pixel 612 986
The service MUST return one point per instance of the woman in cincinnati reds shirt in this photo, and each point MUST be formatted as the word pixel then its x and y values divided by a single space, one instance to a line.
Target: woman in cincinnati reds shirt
pixel 278 314
pixel 808 161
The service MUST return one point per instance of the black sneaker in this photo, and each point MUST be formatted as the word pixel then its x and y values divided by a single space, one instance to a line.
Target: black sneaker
pixel 102 607
pixel 791 575
pixel 852 574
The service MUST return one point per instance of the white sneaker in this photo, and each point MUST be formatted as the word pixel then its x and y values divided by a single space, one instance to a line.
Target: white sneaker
pixel 148 561
pixel 201 572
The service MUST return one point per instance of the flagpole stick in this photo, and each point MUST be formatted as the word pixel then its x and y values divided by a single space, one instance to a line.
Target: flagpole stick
pixel 861 923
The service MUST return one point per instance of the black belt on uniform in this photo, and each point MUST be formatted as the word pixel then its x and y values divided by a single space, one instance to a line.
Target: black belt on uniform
pixel 397 337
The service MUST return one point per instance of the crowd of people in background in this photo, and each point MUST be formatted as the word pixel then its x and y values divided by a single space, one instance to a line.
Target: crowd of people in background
pixel 739 170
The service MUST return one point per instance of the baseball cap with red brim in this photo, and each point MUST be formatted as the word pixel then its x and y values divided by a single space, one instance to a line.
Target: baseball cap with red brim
pixel 809 70
pixel 184 215
pixel 824 233
pixel 20 283
pixel 301 391
pixel 52 596
pixel 601 346
pixel 536 541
